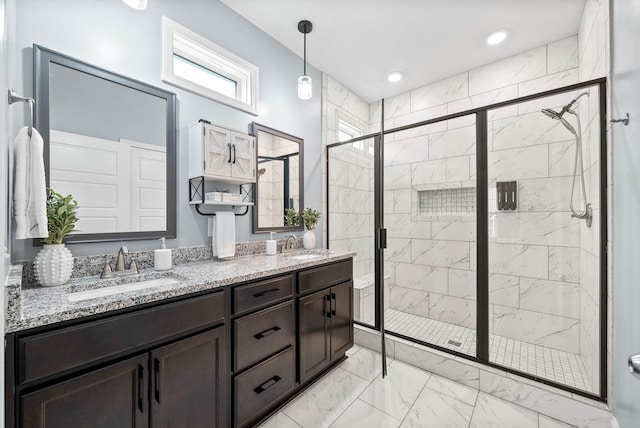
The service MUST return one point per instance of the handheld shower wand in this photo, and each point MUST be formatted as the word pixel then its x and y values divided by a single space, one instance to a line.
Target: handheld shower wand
pixel 587 213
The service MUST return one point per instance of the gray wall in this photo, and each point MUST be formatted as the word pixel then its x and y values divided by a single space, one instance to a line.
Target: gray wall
pixel 111 35
pixel 626 206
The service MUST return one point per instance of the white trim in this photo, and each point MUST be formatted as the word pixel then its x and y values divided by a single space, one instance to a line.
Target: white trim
pixel 177 39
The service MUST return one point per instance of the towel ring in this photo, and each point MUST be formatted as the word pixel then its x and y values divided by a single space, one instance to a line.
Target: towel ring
pixel 14 97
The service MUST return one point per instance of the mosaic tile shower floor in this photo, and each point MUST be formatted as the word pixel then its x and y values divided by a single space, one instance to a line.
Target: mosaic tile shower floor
pixel 558 366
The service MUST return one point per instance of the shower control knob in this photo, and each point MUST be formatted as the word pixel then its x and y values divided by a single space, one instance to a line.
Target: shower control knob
pixel 634 365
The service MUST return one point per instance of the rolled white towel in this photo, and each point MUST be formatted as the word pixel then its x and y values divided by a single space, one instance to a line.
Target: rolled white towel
pixel 29 186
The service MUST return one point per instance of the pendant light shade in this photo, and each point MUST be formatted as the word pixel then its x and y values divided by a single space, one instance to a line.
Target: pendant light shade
pixel 305 85
pixel 136 4
pixel 305 88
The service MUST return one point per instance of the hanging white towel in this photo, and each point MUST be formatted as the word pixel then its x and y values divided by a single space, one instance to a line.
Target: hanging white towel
pixel 29 186
pixel 224 234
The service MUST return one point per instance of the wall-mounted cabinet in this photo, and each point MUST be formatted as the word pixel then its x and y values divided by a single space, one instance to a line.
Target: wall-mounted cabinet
pixel 220 154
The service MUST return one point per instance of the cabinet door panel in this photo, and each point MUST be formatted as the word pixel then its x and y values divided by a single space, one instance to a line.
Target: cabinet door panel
pixel 188 383
pixel 314 334
pixel 217 159
pixel 114 396
pixel 341 319
pixel 244 157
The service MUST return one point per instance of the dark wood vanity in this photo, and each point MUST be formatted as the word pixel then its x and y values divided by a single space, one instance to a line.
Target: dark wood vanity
pixel 225 357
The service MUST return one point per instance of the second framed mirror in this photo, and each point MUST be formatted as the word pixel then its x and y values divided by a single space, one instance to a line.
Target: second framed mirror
pixel 279 186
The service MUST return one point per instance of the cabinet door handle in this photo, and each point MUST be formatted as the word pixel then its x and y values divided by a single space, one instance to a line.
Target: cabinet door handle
pixel 333 304
pixel 268 384
pixel 327 298
pixel 156 376
pixel 229 146
pixel 234 153
pixel 266 333
pixel 264 293
pixel 140 386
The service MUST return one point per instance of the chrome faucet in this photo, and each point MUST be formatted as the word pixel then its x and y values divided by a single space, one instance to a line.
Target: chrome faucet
pixel 291 242
pixel 120 266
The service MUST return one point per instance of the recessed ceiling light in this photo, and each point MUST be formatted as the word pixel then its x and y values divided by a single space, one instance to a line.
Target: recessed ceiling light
pixel 496 37
pixel 396 76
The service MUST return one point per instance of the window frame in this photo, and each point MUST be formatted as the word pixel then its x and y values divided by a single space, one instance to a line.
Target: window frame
pixel 180 41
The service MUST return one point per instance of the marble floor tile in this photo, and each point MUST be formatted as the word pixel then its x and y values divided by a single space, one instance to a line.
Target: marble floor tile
pixel 327 399
pixel 433 409
pixel 279 420
pixel 453 389
pixel 365 363
pixel 410 397
pixel 396 393
pixel 496 413
pixel 364 415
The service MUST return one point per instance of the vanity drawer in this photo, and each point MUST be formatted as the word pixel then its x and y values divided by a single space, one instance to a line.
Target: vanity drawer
pixel 263 385
pixel 72 347
pixel 325 276
pixel 263 333
pixel 260 294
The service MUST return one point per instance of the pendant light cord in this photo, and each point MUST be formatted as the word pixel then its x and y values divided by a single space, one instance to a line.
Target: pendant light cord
pixel 304 61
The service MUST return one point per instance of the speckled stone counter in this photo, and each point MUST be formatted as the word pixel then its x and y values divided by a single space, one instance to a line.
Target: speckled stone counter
pixel 34 306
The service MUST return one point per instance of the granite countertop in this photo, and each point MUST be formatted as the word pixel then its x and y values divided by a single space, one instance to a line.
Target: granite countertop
pixel 35 306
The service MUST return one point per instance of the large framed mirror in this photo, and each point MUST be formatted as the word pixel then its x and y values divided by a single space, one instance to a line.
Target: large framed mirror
pixel 279 185
pixel 110 141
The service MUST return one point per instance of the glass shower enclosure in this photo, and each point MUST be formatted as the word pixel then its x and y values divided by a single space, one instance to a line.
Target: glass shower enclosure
pixel 495 222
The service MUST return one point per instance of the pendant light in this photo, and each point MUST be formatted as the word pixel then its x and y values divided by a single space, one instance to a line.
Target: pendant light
pixel 305 87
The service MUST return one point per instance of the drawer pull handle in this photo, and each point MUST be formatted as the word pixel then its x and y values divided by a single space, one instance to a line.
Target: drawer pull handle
pixel 140 386
pixel 264 293
pixel 266 333
pixel 157 380
pixel 268 384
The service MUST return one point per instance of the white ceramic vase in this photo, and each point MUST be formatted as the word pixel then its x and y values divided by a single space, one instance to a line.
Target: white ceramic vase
pixel 53 265
pixel 309 239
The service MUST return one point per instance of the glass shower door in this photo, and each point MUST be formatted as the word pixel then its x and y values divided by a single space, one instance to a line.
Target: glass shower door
pixel 544 225
pixel 430 216
pixel 350 218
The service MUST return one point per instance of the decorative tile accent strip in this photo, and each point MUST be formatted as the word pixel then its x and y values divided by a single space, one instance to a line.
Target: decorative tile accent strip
pixel 92 265
pixel 444 202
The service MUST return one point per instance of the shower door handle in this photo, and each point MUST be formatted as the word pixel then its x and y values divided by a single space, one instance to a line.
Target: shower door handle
pixel 634 365
pixel 382 238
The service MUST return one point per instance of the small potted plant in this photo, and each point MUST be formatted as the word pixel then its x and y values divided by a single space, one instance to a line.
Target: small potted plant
pixel 291 217
pixel 310 218
pixel 54 262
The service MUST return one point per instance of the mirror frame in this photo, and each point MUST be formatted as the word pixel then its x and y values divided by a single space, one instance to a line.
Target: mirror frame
pixel 255 127
pixel 42 59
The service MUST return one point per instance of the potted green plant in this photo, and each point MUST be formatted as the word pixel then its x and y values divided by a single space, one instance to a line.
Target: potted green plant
pixel 54 262
pixel 291 217
pixel 310 218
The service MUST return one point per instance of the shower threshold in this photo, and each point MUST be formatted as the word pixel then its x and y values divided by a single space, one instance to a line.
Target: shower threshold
pixel 558 366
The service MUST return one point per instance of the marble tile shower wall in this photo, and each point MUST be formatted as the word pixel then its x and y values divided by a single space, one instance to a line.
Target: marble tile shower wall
pixel 534 256
pixel 593 46
pixel 350 177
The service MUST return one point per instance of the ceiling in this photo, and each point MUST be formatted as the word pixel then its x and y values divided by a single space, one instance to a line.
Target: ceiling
pixel 359 42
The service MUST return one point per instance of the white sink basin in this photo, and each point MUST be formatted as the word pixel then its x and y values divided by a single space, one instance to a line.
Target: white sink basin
pixel 122 288
pixel 306 256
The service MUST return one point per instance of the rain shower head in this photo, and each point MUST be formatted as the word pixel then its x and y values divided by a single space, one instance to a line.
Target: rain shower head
pixel 551 113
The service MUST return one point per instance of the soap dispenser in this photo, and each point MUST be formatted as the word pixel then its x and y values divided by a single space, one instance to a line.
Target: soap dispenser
pixel 162 257
pixel 271 245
